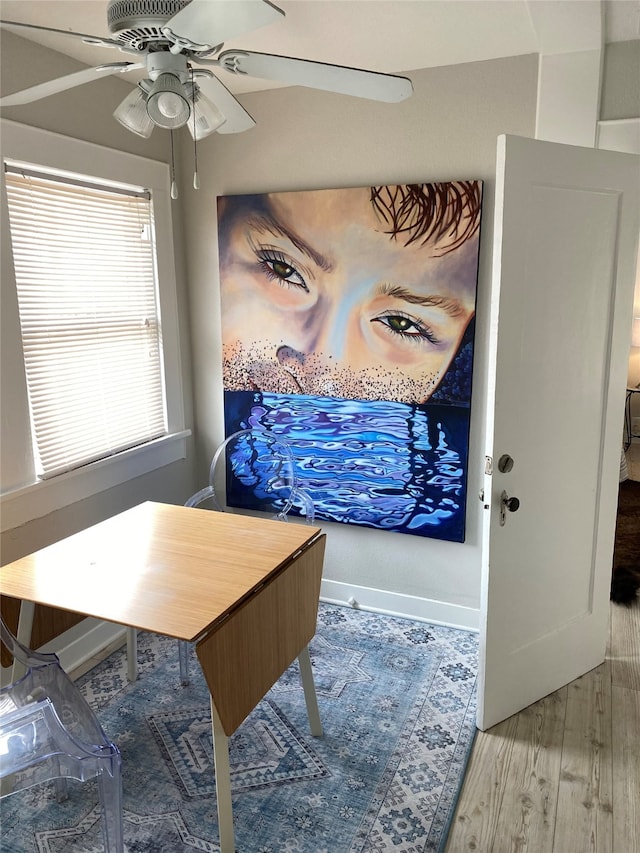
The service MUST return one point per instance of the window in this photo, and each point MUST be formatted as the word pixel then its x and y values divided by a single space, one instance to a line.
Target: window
pixel 87 297
pixel 116 353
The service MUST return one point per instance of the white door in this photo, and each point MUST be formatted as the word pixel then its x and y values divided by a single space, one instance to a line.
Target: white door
pixel 566 230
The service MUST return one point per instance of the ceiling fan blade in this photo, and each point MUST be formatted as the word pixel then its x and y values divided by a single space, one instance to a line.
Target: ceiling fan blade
pixel 97 40
pixel 373 85
pixel 237 119
pixel 208 23
pixel 69 81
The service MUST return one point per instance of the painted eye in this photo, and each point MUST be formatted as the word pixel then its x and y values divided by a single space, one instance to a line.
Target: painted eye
pixel 407 327
pixel 400 324
pixel 278 269
pixel 282 270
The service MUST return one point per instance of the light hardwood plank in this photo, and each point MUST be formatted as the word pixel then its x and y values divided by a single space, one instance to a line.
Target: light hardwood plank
pixel 479 810
pixel 590 757
pixel 624 646
pixel 625 706
pixel 531 783
pixel 585 791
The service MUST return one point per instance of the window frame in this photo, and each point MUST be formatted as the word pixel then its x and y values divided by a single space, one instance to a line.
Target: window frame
pixel 25 497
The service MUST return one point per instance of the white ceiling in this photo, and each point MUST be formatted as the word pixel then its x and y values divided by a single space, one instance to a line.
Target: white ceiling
pixel 380 35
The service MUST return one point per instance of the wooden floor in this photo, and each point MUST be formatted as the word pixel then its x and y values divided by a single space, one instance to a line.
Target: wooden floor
pixel 563 776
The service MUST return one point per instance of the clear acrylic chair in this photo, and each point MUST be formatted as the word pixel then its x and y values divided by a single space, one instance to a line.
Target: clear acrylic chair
pixel 259 463
pixel 251 460
pixel 48 732
pixel 262 464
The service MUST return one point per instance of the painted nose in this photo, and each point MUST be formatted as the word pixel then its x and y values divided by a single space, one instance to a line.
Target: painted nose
pixel 290 358
pixel 307 371
pixel 292 362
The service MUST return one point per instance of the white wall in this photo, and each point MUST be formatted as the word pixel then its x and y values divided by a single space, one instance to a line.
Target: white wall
pixel 620 131
pixel 314 140
pixel 569 97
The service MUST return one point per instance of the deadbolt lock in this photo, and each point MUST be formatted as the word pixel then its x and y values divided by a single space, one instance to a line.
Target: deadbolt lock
pixel 505 463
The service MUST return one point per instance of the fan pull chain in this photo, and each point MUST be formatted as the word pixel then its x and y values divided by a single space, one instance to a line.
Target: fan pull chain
pixel 174 186
pixel 196 177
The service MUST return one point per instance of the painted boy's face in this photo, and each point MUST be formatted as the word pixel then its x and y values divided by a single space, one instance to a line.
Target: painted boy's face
pixel 317 299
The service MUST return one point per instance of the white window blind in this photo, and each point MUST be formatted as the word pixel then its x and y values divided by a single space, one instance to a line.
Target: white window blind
pixel 84 260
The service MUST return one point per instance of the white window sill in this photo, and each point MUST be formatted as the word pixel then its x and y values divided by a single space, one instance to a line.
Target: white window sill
pixel 38 499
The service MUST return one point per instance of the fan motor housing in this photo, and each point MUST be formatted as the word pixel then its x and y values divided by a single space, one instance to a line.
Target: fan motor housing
pixel 138 22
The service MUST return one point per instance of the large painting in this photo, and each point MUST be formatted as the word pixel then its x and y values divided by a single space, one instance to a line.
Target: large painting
pixel 347 328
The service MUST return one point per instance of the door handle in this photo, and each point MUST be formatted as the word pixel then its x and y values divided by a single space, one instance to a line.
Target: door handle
pixel 507 504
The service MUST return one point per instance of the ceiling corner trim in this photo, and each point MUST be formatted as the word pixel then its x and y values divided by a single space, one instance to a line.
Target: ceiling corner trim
pixel 564 26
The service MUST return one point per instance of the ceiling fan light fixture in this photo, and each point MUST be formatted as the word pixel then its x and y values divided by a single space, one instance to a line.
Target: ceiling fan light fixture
pixel 206 118
pixel 132 113
pixel 167 104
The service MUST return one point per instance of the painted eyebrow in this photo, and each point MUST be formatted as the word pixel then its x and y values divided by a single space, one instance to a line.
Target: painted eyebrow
pixel 264 223
pixel 451 306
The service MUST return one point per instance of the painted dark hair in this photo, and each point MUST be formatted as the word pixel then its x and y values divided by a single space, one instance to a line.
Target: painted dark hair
pixel 447 212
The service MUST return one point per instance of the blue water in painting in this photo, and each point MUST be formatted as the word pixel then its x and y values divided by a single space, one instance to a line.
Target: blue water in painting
pixel 391 466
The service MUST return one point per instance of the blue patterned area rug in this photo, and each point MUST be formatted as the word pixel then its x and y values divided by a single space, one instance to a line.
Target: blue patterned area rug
pixel 397 701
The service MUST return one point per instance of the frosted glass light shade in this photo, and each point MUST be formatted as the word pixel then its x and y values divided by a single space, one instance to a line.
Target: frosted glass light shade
pixel 205 119
pixel 167 105
pixel 635 332
pixel 132 114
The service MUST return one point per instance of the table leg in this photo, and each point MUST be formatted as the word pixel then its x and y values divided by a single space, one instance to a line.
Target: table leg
pixel 183 658
pixel 223 783
pixel 23 634
pixel 310 698
pixel 132 654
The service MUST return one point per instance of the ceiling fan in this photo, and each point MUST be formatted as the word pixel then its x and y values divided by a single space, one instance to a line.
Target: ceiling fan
pixel 179 42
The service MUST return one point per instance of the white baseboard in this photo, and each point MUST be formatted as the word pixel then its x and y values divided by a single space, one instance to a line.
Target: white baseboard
pixel 76 645
pixel 86 639
pixel 396 604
